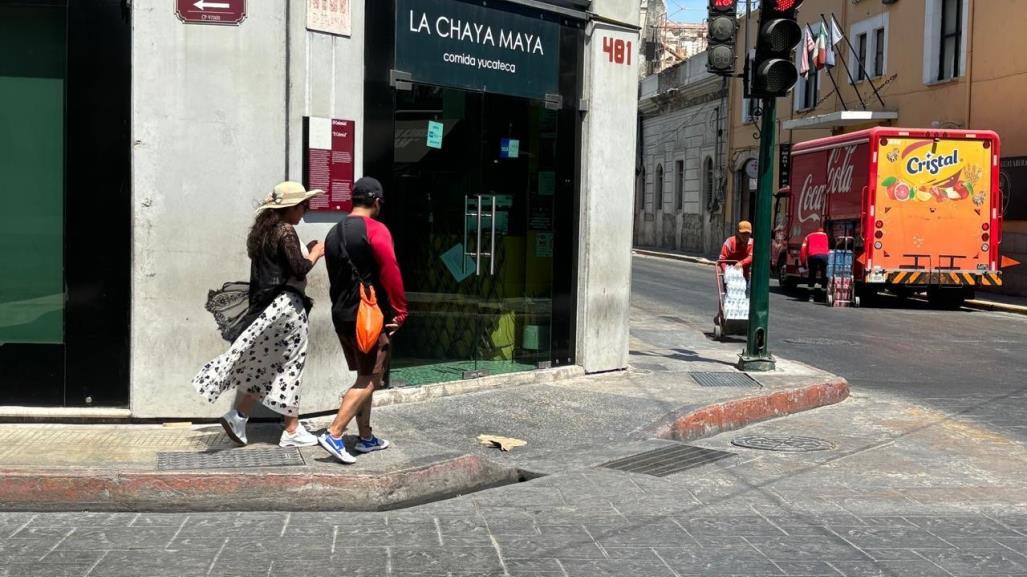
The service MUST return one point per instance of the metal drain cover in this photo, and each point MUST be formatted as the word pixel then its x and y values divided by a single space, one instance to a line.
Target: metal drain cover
pixel 819 341
pixel 230 459
pixel 667 461
pixel 724 379
pixel 784 444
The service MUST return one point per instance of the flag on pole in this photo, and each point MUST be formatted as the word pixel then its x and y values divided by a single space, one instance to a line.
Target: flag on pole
pixel 834 37
pixel 806 52
pixel 822 49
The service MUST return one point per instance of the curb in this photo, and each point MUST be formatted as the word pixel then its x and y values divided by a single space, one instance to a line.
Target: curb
pixel 675 256
pixel 693 423
pixel 92 490
pixel 995 306
pixel 396 396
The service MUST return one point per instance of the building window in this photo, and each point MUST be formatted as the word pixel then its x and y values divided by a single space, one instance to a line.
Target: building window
pixel 708 181
pixel 861 54
pixel 679 185
pixel 950 39
pixel 659 187
pixel 944 39
pixel 870 48
pixel 879 52
pixel 640 201
pixel 807 89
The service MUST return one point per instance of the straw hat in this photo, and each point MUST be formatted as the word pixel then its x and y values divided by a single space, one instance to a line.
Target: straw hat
pixel 286 194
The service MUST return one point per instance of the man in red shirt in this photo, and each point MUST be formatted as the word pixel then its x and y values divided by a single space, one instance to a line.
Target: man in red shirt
pixel 814 255
pixel 361 247
pixel 739 248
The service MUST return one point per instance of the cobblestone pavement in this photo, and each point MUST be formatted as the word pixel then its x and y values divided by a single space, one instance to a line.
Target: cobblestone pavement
pixel 907 491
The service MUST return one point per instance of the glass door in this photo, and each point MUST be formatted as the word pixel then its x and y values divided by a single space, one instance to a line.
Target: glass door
pixel 471 214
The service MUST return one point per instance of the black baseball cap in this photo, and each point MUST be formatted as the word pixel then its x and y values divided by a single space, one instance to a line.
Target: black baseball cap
pixel 368 188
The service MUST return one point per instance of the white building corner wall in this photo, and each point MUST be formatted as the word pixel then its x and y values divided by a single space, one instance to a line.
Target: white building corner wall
pixel 607 202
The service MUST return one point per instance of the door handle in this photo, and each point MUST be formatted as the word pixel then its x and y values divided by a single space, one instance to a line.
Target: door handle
pixel 477 248
pixel 492 247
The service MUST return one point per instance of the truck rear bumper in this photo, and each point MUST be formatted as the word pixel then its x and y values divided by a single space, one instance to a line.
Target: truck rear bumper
pixel 946 278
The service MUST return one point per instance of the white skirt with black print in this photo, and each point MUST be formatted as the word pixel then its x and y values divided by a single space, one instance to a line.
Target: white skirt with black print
pixel 266 360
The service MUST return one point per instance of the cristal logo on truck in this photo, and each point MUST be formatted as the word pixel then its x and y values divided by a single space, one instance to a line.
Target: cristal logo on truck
pixel 931 163
pixel 812 197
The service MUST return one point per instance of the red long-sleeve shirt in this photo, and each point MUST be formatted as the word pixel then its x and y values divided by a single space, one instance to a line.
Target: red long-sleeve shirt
pixel 380 239
pixel 731 251
pixel 815 244
pixel 368 246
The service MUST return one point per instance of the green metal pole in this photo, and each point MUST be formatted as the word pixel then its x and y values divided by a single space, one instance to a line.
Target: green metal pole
pixel 756 356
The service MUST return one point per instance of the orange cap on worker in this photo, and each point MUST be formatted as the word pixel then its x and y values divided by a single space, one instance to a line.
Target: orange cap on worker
pixel 745 226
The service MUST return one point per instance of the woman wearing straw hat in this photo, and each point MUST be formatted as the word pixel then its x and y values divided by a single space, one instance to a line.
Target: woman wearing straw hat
pixel 269 338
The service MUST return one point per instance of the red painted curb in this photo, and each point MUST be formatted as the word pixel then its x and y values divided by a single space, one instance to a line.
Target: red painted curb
pixel 738 413
pixel 84 489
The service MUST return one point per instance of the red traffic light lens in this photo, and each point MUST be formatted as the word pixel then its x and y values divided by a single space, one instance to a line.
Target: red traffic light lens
pixel 724 3
pixel 782 5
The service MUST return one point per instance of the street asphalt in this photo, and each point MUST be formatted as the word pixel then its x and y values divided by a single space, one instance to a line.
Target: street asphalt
pixel 969 362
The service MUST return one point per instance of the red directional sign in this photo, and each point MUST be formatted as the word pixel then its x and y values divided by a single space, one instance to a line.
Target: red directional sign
pixel 225 12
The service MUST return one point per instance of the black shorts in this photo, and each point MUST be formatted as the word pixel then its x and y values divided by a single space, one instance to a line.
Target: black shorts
pixel 372 363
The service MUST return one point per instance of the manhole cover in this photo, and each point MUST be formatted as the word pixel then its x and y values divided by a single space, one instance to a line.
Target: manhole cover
pixel 230 459
pixel 667 461
pixel 785 444
pixel 819 341
pixel 723 379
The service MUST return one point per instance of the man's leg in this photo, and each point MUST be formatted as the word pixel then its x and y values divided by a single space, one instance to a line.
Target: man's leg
pixel 354 399
pixel 364 412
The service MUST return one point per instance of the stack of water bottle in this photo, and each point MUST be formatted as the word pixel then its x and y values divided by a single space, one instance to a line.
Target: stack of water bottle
pixel 736 302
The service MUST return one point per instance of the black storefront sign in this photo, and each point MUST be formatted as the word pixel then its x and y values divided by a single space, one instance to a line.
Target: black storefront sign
pixel 784 164
pixel 464 45
pixel 1013 182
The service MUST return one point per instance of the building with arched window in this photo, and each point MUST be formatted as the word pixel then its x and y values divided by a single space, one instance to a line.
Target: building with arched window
pixel 683 145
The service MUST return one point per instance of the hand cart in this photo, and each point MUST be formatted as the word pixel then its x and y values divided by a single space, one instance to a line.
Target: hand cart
pixel 840 284
pixel 733 323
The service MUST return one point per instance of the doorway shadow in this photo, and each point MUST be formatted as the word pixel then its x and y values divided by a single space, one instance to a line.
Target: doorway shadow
pixel 684 355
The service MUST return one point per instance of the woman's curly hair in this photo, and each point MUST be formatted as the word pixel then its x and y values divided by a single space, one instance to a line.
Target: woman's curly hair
pixel 265 232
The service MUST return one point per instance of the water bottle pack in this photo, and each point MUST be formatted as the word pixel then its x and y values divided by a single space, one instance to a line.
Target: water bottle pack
pixel 736 301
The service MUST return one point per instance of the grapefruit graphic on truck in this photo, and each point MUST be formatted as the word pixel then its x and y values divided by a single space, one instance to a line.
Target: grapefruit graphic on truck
pixel 922 207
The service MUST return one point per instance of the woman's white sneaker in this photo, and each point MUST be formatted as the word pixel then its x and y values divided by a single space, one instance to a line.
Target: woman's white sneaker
pixel 298 438
pixel 235 426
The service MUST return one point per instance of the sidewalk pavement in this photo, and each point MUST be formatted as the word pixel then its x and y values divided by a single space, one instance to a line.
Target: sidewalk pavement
pixel 986 300
pixel 572 424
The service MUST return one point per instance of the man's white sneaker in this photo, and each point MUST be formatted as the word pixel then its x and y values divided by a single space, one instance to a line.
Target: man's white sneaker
pixel 235 426
pixel 298 438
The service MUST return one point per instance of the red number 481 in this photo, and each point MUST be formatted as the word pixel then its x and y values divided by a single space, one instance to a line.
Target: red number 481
pixel 618 51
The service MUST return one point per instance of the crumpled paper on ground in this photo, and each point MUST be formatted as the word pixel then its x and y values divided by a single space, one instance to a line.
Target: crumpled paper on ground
pixel 504 443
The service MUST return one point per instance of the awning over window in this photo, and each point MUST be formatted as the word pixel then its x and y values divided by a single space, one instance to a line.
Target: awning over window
pixel 841 118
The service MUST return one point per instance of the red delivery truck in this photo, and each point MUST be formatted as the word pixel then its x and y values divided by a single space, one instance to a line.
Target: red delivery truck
pixel 923 207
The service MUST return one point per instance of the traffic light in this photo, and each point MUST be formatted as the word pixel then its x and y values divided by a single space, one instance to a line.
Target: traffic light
pixel 722 26
pixel 773 72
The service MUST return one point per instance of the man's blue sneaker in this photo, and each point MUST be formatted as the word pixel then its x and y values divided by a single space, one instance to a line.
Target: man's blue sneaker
pixel 337 447
pixel 372 444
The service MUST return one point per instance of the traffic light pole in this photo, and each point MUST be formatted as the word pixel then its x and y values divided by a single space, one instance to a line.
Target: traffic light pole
pixel 756 356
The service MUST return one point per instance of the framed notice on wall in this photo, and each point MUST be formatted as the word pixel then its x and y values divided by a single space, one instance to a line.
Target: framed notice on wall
pixel 331 16
pixel 328 149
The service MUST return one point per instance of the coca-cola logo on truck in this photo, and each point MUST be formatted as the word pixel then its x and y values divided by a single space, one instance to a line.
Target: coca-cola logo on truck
pixel 813 195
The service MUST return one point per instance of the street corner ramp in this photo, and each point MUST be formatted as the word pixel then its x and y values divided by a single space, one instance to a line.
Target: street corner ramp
pixel 311 483
pixel 750 406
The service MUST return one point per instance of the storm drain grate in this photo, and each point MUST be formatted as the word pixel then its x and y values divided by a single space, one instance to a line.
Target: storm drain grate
pixel 667 461
pixel 789 444
pixel 723 379
pixel 230 459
